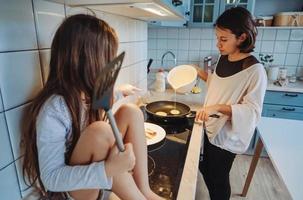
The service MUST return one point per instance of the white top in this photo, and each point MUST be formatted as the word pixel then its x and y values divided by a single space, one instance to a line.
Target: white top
pixel 244 91
pixel 282 139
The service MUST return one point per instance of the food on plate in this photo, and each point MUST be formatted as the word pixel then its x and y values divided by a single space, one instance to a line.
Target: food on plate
pixel 175 112
pixel 150 133
pixel 160 113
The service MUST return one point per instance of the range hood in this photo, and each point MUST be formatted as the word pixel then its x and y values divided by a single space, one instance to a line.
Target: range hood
pixel 147 10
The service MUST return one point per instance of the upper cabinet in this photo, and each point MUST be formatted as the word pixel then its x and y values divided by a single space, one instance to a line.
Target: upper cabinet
pixel 205 12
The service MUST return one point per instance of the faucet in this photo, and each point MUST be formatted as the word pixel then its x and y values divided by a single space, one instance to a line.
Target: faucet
pixel 171 53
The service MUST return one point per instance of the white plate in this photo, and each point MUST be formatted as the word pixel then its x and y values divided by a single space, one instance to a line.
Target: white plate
pixel 160 133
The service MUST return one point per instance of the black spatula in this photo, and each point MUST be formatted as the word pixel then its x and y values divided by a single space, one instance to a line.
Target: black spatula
pixel 103 94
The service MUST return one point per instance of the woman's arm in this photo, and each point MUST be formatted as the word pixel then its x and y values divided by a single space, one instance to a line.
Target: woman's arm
pixel 204 113
pixel 201 73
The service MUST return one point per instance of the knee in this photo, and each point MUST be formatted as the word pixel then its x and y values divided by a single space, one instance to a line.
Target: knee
pixel 99 134
pixel 130 110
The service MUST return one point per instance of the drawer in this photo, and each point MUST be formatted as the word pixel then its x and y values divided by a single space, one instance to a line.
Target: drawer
pixel 282 111
pixel 284 98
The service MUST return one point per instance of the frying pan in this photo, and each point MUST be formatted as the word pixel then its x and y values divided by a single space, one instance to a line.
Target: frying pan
pixel 167 106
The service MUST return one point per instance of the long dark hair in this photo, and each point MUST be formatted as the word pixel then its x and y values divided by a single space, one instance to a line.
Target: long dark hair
pixel 239 20
pixel 82 45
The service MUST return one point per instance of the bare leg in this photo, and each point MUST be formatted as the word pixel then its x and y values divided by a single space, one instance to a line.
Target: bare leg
pixel 93 145
pixel 131 124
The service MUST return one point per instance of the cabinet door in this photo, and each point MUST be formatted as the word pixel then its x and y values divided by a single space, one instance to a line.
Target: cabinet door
pixel 282 111
pixel 284 98
pixel 204 12
pixel 226 4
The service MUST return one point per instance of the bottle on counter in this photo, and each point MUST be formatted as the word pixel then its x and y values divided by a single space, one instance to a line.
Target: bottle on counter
pixel 160 81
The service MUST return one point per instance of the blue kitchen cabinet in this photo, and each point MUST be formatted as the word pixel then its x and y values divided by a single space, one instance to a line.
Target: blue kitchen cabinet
pixel 226 4
pixel 204 12
pixel 283 111
pixel 286 105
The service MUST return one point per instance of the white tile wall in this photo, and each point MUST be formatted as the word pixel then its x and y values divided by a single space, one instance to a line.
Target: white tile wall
pixel 269 34
pixel 45 59
pixel 194 45
pixel 20 77
pixel 286 45
pixel 283 34
pixel 9 188
pixel 1 103
pixel 183 44
pixel 6 154
pixel 296 35
pixel 206 45
pixel 281 47
pixel 17 29
pixel 267 46
pixel 292 59
pixel 172 44
pixel 183 33
pixel 14 123
pixel 294 47
pixel 172 33
pixel 48 17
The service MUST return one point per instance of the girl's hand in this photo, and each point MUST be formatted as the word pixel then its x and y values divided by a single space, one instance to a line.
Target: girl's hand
pixel 128 89
pixel 120 162
pixel 203 114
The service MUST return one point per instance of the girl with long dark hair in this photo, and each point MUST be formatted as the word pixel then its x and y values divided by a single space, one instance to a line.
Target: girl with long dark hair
pixel 69 148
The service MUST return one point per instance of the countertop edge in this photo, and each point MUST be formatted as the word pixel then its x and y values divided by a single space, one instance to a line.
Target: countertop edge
pixel 187 189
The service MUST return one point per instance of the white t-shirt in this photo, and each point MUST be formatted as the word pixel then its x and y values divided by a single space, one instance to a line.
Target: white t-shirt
pixel 244 91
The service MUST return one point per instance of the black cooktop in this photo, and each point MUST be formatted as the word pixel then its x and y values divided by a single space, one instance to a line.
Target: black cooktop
pixel 166 161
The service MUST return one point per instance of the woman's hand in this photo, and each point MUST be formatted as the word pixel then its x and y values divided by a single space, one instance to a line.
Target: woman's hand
pixel 203 114
pixel 128 89
pixel 120 162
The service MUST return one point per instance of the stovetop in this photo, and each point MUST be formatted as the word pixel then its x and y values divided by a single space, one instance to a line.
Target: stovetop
pixel 166 162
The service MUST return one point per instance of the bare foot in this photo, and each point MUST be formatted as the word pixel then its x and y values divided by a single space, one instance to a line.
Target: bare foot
pixel 150 195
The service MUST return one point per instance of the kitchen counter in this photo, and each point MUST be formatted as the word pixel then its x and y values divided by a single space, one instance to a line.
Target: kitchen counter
pixel 291 87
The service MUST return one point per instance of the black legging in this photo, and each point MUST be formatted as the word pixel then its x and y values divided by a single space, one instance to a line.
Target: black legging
pixel 215 168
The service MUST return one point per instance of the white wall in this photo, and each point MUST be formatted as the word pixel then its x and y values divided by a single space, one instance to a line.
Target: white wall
pixel 192 44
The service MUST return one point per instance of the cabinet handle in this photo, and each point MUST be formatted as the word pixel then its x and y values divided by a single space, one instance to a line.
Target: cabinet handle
pixel 288 109
pixel 291 95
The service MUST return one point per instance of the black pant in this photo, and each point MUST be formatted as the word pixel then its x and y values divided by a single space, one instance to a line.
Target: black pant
pixel 215 167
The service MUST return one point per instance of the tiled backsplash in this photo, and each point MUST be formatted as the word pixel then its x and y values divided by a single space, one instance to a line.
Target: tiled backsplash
pixel 26 31
pixel 190 45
